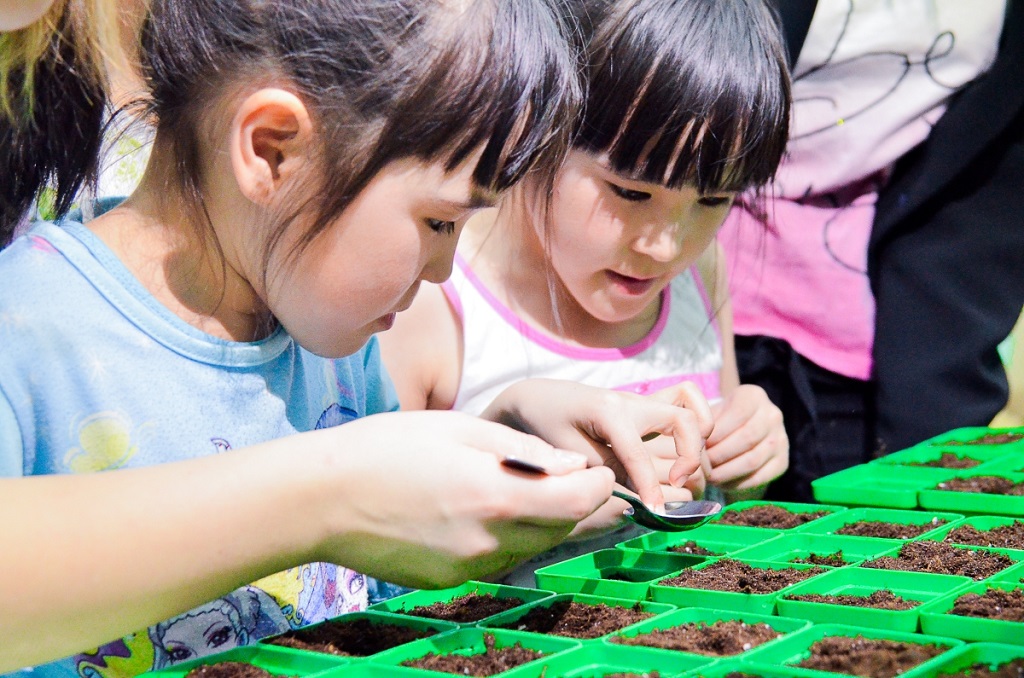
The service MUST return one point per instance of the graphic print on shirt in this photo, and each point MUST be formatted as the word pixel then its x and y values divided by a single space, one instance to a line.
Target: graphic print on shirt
pixel 106 441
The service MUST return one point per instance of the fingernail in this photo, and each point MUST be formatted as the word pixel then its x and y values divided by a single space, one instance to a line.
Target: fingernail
pixel 573 458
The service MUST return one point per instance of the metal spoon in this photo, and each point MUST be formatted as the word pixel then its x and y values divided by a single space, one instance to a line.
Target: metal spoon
pixel 678 515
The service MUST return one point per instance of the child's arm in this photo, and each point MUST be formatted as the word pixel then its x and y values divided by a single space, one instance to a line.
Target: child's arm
pixel 423 352
pixel 414 498
pixel 748 447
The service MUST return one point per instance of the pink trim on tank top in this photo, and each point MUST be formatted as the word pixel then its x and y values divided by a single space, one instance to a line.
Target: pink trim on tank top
pixel 554 345
pixel 708 384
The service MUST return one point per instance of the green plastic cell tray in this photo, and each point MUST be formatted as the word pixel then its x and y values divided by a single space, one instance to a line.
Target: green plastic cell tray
pixel 471 641
pixel 615 573
pixel 741 668
pixel 877 485
pixel 598 660
pixel 973 503
pixel 980 523
pixel 706 616
pixel 371 670
pixel 512 616
pixel 406 603
pixel 933 520
pixel 985 455
pixel 990 655
pixel 855 581
pixel 280 661
pixel 758 603
pixel 721 539
pixel 1016 556
pixel 801 545
pixel 792 650
pixel 956 438
pixel 377 617
pixel 792 507
pixel 936 618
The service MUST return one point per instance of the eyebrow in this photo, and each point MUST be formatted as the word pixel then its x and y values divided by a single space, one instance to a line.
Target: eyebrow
pixel 477 200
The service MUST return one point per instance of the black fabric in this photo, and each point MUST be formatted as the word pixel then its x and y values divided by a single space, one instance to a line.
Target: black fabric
pixel 796 18
pixel 826 415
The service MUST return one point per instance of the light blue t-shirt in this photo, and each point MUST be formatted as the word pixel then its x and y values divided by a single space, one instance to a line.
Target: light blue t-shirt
pixel 95 374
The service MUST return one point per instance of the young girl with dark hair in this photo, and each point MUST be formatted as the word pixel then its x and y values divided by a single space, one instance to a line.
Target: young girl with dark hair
pixel 615 281
pixel 313 163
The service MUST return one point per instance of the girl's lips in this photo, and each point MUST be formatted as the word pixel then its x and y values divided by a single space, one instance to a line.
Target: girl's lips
pixel 388 320
pixel 631 286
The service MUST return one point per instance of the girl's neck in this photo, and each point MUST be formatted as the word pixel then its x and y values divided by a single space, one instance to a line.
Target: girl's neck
pixel 507 254
pixel 156 240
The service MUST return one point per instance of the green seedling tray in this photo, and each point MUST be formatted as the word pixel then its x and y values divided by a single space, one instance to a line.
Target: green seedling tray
pixel 377 617
pixel 877 485
pixel 855 581
pixel 1016 556
pixel 971 433
pixel 790 547
pixel 616 573
pixel 282 661
pixel 499 620
pixel 831 524
pixel 981 523
pixel 792 507
pixel 985 455
pixel 470 641
pixel 936 618
pixel 726 668
pixel 758 603
pixel 370 670
pixel 723 539
pixel 964 657
pixel 598 660
pixel 795 648
pixel 407 602
pixel 707 616
pixel 973 503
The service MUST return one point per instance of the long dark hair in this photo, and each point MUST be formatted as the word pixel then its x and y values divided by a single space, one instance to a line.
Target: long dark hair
pixel 685 91
pixel 383 80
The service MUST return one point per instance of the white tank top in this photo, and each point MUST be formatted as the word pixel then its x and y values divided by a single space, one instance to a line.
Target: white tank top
pixel 501 348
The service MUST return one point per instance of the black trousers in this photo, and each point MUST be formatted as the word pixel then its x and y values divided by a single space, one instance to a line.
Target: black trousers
pixel 828 417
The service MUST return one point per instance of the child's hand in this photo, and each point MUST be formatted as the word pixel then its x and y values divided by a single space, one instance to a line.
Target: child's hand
pixel 748 447
pixel 608 426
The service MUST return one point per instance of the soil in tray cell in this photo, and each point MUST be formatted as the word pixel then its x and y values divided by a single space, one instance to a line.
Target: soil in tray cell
pixel 942 558
pixel 768 515
pixel 722 638
pixel 1011 669
pixel 492 660
pixel 987 439
pixel 471 607
pixel 947 460
pixel 860 656
pixel 693 548
pixel 578 620
pixel 993 604
pixel 881 599
pixel 736 576
pixel 983 484
pixel 1009 536
pixel 354 638
pixel 884 530
pixel 829 559
pixel 229 670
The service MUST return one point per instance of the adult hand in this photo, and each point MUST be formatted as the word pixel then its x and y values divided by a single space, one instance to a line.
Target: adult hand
pixel 748 447
pixel 609 426
pixel 427 503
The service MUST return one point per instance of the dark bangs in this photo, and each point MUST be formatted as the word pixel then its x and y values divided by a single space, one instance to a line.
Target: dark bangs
pixel 699 95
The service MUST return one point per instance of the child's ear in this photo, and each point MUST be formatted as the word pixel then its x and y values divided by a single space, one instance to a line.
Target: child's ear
pixel 269 142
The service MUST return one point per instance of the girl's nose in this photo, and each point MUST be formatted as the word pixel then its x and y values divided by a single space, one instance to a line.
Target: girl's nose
pixel 661 244
pixel 439 266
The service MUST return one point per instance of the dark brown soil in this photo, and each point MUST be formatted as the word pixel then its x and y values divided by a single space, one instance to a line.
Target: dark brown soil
pixel 993 604
pixel 471 607
pixel 1011 669
pixel 883 600
pixel 492 660
pixel 723 638
pixel 948 460
pixel 860 656
pixel 578 620
pixel 693 548
pixel 828 559
pixel 733 575
pixel 228 670
pixel 988 439
pixel 350 638
pixel 768 515
pixel 1010 536
pixel 942 558
pixel 878 528
pixel 985 484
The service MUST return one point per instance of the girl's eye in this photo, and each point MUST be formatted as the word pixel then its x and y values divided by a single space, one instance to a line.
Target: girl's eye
pixel 628 194
pixel 439 226
pixel 714 200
